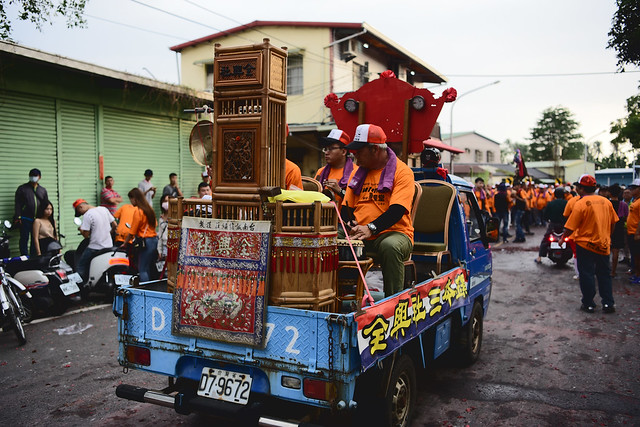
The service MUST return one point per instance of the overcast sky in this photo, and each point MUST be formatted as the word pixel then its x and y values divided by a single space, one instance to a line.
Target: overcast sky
pixel 529 46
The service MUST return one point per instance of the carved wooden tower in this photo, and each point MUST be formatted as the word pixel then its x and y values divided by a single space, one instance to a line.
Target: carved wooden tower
pixel 250 94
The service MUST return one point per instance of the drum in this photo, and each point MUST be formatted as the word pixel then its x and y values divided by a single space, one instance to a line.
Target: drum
pixel 344 251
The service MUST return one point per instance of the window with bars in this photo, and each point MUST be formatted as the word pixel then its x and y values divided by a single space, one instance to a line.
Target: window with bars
pixel 478 155
pixel 208 69
pixel 490 157
pixel 294 75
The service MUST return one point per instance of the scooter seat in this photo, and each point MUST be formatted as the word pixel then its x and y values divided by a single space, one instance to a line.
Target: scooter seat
pixel 33 263
pixel 106 250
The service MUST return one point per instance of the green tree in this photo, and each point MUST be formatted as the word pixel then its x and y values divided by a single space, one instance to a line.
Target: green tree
pixel 39 12
pixel 556 136
pixel 624 36
pixel 627 130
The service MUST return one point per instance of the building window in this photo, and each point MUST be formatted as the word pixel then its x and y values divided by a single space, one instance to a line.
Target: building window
pixel 490 157
pixel 208 69
pixel 360 75
pixel 467 151
pixel 478 154
pixel 294 75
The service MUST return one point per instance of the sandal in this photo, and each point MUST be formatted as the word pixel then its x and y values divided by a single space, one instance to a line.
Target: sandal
pixel 537 261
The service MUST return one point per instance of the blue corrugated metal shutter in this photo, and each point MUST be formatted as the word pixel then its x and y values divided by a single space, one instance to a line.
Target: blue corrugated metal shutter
pixel 27 140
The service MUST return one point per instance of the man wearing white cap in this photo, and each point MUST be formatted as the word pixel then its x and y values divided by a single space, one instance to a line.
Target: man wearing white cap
pixel 590 224
pixel 377 203
pixel 334 176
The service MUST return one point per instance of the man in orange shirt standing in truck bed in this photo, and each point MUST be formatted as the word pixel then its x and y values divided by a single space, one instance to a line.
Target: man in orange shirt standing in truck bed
pixel 590 225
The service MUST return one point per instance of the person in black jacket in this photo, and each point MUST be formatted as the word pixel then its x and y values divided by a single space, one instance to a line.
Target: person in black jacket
pixel 30 201
pixel 553 213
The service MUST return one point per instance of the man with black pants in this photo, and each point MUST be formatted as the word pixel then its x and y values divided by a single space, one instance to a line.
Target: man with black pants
pixel 30 201
pixel 590 223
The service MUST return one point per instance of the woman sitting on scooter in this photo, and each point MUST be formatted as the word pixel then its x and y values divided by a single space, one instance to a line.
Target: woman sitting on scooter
pixel 144 227
pixel 44 230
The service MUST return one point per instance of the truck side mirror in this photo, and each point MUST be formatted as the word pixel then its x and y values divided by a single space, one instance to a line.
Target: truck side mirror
pixel 492 227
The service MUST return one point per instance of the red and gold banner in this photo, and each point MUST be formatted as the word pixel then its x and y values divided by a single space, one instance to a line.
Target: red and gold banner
pixel 386 326
pixel 222 280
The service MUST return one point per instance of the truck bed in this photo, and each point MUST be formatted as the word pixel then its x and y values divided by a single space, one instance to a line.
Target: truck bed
pixel 297 342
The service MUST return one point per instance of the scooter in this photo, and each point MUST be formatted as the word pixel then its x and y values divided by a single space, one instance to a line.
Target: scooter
pixel 12 292
pixel 106 269
pixel 52 288
pixel 559 251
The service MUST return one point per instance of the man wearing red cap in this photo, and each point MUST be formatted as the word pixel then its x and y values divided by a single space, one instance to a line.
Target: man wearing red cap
pixel 97 224
pixel 377 204
pixel 590 225
pixel 334 177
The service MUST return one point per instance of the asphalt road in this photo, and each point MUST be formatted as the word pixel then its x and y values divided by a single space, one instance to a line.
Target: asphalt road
pixel 544 362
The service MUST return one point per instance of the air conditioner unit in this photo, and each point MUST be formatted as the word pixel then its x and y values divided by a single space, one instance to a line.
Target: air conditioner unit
pixel 347 55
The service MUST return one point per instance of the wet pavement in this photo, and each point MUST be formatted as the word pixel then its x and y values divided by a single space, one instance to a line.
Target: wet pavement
pixel 543 361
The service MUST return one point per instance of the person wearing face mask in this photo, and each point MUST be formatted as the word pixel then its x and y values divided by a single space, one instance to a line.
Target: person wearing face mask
pixel 30 201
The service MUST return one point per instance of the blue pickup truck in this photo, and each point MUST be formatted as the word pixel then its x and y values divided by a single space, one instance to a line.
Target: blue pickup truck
pixel 360 363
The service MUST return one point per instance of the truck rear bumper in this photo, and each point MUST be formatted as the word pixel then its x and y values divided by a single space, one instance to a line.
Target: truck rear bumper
pixel 185 404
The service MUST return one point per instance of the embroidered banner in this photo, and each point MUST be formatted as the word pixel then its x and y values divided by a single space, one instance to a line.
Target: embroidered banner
pixel 386 326
pixel 222 280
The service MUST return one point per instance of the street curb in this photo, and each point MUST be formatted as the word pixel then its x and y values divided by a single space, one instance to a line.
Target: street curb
pixel 68 313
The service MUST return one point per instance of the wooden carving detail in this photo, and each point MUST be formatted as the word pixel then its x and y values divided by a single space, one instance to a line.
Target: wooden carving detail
pixel 238 151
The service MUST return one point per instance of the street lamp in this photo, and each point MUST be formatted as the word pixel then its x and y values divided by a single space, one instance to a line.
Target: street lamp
pixel 451 118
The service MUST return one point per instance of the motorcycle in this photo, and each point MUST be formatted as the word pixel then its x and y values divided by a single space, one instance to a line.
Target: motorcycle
pixel 50 282
pixel 12 311
pixel 106 269
pixel 559 251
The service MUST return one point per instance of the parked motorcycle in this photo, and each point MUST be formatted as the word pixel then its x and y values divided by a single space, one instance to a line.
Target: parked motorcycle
pixel 12 311
pixel 559 251
pixel 51 283
pixel 106 266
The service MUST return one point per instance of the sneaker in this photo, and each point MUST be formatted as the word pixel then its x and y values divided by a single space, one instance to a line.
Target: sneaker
pixel 588 308
pixel 635 281
pixel 575 277
pixel 528 233
pixel 606 308
pixel 633 278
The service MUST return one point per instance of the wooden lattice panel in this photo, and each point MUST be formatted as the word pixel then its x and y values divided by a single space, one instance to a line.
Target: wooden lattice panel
pixel 277 80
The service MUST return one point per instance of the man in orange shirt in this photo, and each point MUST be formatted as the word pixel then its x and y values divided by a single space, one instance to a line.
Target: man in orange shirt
pixel 633 231
pixel 377 203
pixel 292 176
pixel 590 225
pixel 481 194
pixel 334 177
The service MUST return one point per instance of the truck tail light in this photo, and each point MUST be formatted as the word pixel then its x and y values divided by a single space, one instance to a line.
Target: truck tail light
pixel 139 355
pixel 318 389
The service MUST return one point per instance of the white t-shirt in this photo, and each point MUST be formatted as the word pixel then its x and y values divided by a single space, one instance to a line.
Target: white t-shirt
pixel 145 185
pixel 98 222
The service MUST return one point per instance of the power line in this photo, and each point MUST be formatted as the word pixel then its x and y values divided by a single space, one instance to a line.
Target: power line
pixel 322 61
pixel 135 28
pixel 541 75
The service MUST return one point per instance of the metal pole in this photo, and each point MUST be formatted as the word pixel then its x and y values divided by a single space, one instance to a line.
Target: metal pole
pixel 451 118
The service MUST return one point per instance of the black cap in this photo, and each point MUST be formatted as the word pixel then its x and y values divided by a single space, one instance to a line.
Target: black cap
pixel 35 172
pixel 148 172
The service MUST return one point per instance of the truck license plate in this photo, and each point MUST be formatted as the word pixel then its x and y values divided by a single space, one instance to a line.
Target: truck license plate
pixel 225 385
pixel 69 288
pixel 556 245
